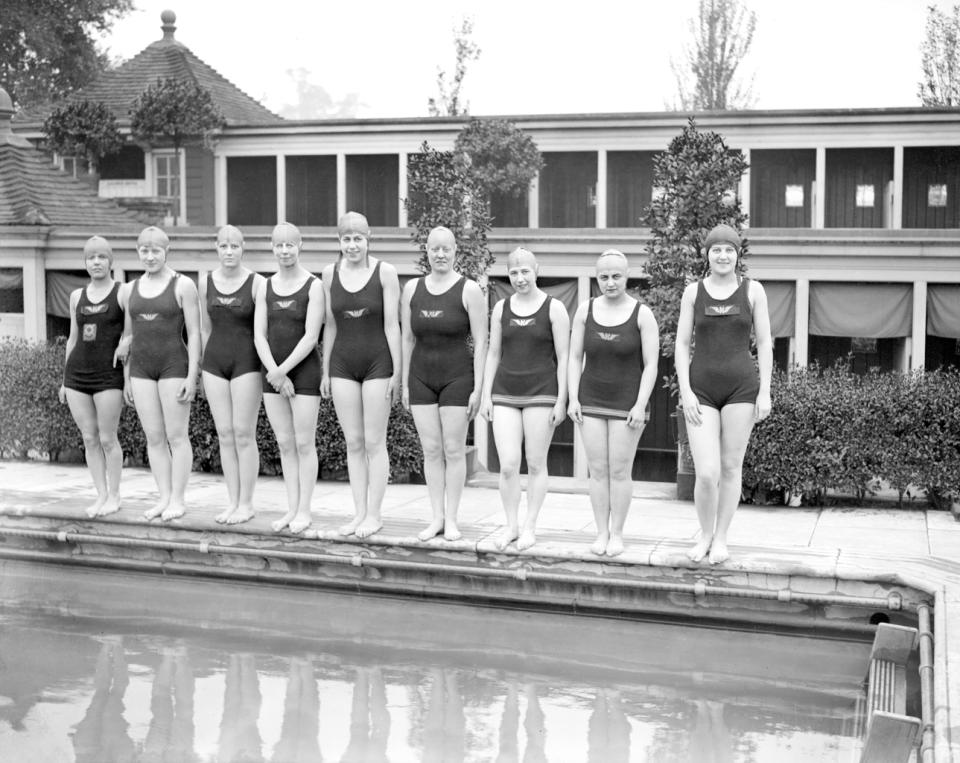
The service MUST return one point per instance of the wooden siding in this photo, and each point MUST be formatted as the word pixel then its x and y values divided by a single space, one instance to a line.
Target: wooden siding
pixel 923 167
pixel 372 183
pixel 568 184
pixel 629 187
pixel 200 185
pixel 771 171
pixel 312 190
pixel 848 168
pixel 252 190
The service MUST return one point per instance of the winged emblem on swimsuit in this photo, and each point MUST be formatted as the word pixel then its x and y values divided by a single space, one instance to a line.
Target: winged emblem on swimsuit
pixel 521 322
pixel 431 313
pixel 723 310
pixel 608 337
pixel 284 304
pixel 228 301
pixel 94 309
pixel 147 316
pixel 355 313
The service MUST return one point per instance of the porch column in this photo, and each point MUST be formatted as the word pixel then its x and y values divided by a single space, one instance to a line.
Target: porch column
pixel 533 203
pixel 220 190
pixel 402 192
pixel 919 330
pixel 35 296
pixel 896 213
pixel 801 323
pixel 744 191
pixel 341 185
pixel 281 188
pixel 601 189
pixel 820 190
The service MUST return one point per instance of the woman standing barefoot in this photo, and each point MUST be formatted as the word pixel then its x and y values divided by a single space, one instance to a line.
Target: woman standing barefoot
pixel 287 321
pixel 614 351
pixel 361 364
pixel 440 313
pixel 524 390
pixel 162 370
pixel 720 390
pixel 92 377
pixel 231 370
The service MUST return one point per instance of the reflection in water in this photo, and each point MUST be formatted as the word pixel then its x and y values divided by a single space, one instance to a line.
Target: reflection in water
pixel 434 683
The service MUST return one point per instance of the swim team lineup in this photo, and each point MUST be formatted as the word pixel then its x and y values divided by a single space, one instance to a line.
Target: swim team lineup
pixel 249 338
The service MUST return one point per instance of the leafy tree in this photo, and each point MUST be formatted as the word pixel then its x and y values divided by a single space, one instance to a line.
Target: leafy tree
pixel 50 46
pixel 442 191
pixel 83 128
pixel 448 102
pixel 720 38
pixel 501 157
pixel 697 177
pixel 941 59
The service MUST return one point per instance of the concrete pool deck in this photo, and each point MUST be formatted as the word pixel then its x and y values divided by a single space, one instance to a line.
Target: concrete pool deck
pixel 834 549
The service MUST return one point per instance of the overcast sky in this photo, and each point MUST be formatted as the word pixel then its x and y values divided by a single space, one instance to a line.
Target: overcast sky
pixel 538 56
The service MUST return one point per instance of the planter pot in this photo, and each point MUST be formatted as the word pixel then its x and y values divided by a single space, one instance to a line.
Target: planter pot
pixel 686 474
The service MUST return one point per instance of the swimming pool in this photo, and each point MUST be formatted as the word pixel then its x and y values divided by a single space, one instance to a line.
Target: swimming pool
pixel 105 666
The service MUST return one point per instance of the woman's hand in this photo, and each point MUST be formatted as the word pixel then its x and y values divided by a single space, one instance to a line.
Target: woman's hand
pixel 574 411
pixel 393 389
pixel 405 397
pixel 691 408
pixel 486 408
pixel 763 406
pixel 122 352
pixel 128 392
pixel 62 394
pixel 325 391
pixel 637 416
pixel 473 404
pixel 557 414
pixel 188 390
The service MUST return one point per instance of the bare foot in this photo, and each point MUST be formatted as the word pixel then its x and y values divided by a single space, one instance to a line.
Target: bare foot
pixel 283 521
pixel 431 530
pixel 240 514
pixel 158 508
pixel 505 537
pixel 299 524
pixel 173 511
pixel 526 540
pixel 700 550
pixel 451 531
pixel 719 553
pixel 368 527
pixel 350 527
pixel 110 506
pixel 599 546
pixel 615 545
pixel 94 508
pixel 224 516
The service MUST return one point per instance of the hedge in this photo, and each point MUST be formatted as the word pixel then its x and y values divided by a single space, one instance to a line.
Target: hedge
pixel 33 423
pixel 831 429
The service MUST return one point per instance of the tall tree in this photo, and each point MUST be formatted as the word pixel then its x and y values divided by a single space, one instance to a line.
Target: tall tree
pixel 49 47
pixel 448 102
pixel 83 128
pixel 941 58
pixel 707 74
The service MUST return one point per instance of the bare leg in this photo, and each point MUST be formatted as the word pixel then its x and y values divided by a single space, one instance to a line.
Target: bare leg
pixel 280 416
pixel 305 409
pixel 348 402
pixel 594 432
pixel 376 415
pixel 109 404
pixel 146 396
pixel 537 434
pixel 622 447
pixel 246 392
pixel 84 412
pixel 220 400
pixel 508 435
pixel 427 420
pixel 736 423
pixel 453 423
pixel 176 420
pixel 705 448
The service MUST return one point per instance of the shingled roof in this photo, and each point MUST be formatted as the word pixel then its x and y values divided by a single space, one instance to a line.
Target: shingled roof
pixel 33 192
pixel 165 58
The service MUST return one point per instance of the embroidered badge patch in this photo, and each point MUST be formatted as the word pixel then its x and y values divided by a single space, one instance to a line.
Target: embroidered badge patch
pixel 228 301
pixel 94 309
pixel 522 322
pixel 89 332
pixel 356 313
pixel 147 316
pixel 431 313
pixel 608 337
pixel 721 310
pixel 284 304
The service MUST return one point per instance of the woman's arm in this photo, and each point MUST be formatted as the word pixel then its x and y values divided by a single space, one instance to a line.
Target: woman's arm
pixel 650 341
pixel 260 329
pixel 493 361
pixel 476 306
pixel 311 334
pixel 560 326
pixel 123 297
pixel 330 332
pixel 205 327
pixel 575 363
pixel 689 401
pixel 71 340
pixel 761 329
pixel 189 303
pixel 408 340
pixel 391 324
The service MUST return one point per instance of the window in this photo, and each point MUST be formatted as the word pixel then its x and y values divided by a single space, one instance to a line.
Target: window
pixel 168 177
pixel 863 345
pixel 864 196
pixel 76 166
pixel 793 196
pixel 937 195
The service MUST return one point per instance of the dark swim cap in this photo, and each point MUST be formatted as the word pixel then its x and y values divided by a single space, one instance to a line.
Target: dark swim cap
pixel 722 234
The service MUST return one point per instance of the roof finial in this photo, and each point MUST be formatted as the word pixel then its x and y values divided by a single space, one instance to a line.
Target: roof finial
pixel 169 26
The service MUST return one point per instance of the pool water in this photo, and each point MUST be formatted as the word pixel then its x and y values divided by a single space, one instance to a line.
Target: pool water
pixel 120 666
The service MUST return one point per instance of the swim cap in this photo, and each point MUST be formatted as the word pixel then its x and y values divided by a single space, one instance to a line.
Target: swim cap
pixel 722 234
pixel 97 245
pixel 353 222
pixel 153 235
